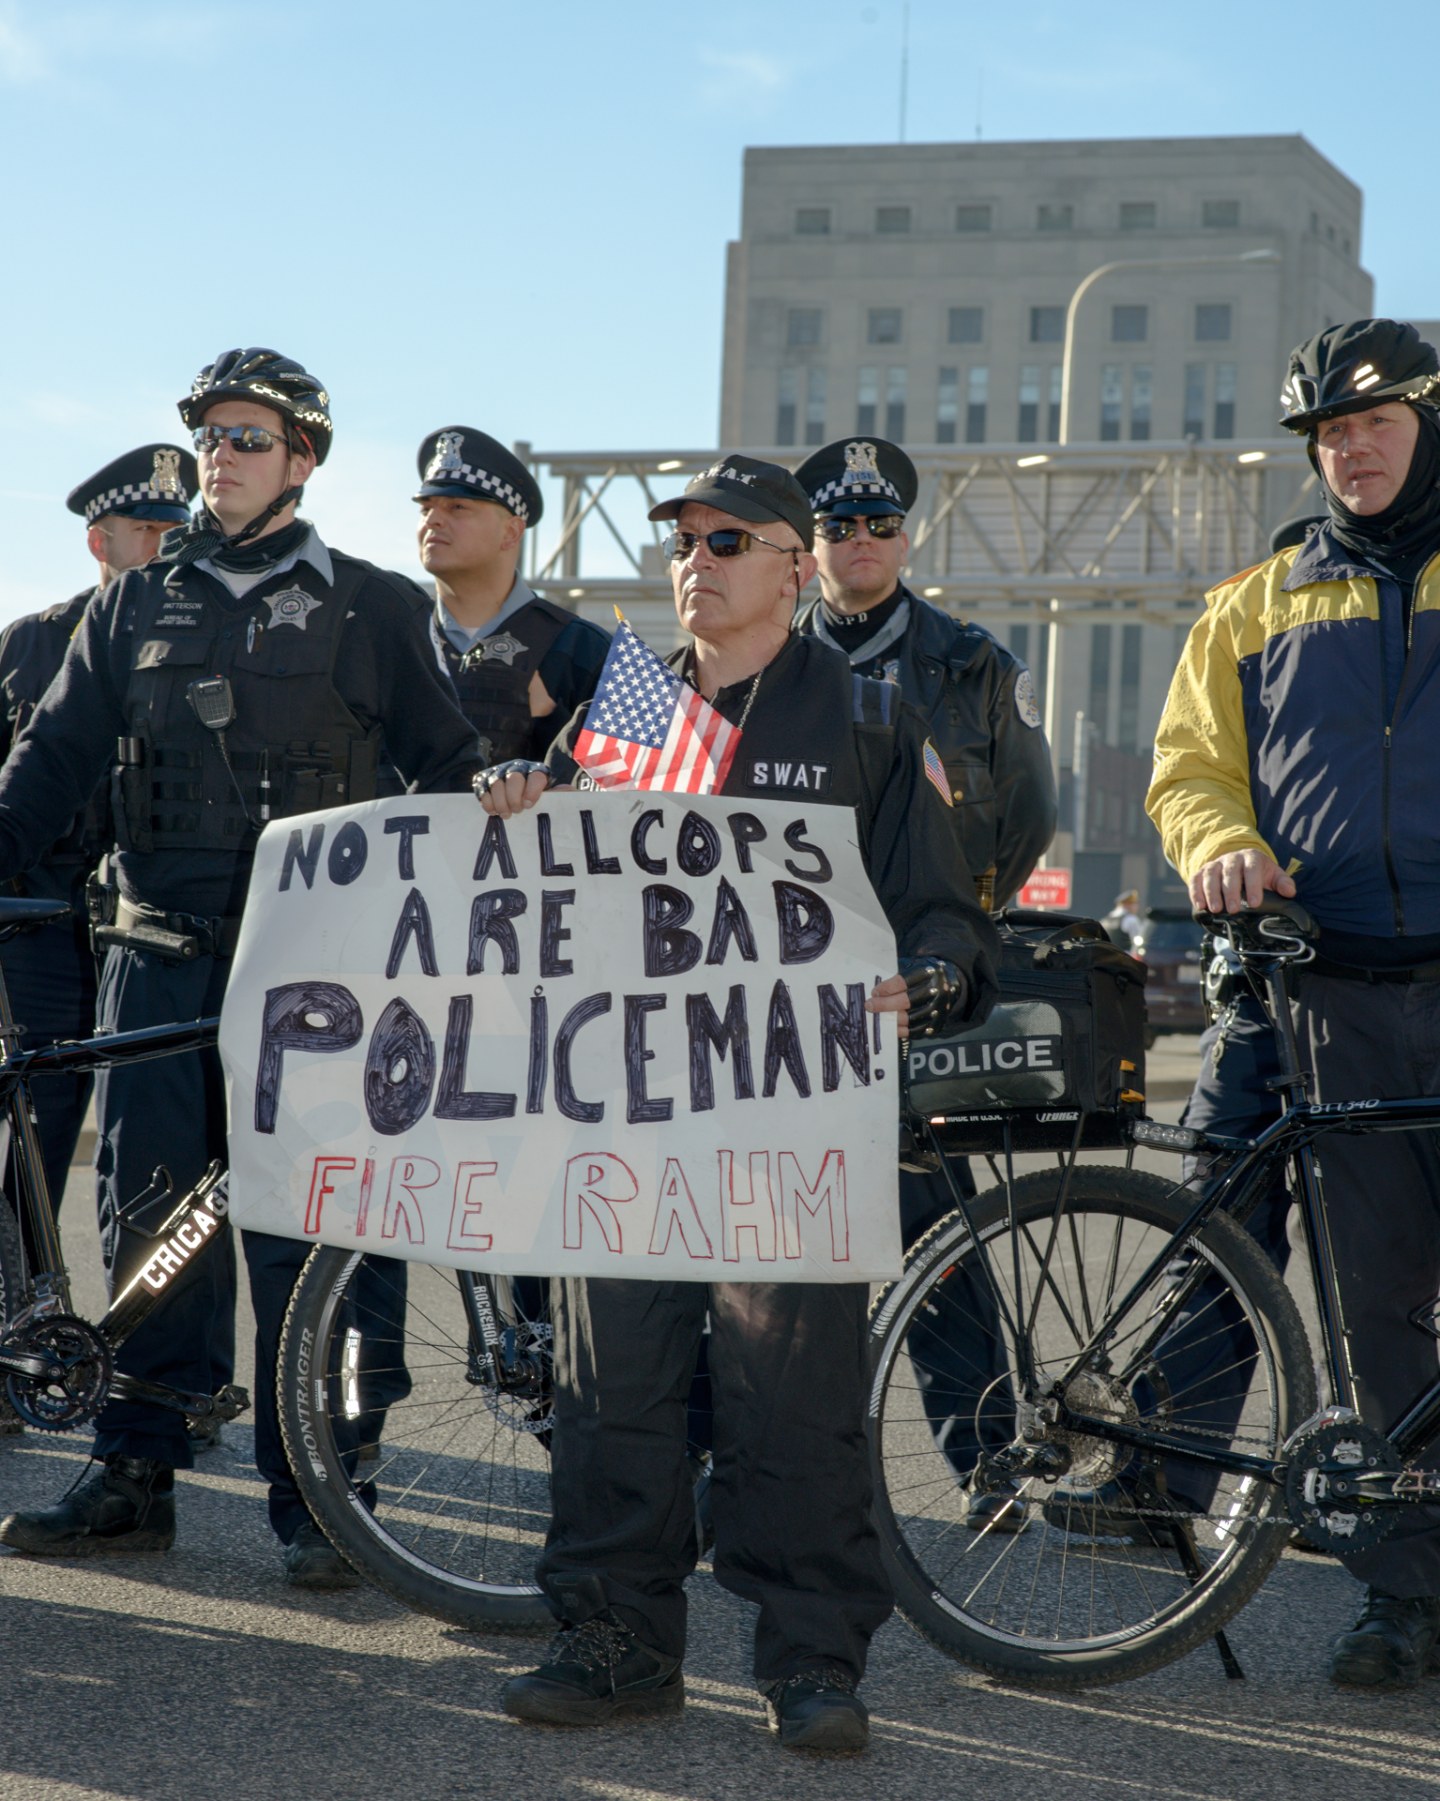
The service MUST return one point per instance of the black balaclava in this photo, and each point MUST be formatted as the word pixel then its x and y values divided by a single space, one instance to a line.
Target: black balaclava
pixel 1406 535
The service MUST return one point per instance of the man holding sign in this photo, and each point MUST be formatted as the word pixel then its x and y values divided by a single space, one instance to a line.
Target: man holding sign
pixel 744 710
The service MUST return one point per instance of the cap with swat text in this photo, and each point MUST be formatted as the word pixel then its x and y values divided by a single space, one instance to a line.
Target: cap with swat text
pixel 748 489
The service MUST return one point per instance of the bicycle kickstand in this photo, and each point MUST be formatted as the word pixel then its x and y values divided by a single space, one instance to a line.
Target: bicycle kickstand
pixel 1190 1563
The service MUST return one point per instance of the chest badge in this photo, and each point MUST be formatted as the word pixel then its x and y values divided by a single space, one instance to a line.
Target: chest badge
pixel 503 648
pixel 291 606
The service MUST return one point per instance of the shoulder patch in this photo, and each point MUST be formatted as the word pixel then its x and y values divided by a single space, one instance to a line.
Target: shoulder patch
pixel 1026 704
pixel 935 772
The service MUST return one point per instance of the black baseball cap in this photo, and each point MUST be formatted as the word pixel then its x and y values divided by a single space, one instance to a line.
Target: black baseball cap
pixel 748 489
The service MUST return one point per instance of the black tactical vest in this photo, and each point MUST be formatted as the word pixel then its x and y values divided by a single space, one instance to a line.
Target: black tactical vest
pixel 294 746
pixel 492 680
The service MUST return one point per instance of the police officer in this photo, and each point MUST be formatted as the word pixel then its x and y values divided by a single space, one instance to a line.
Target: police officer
pixel 1293 757
pixel 791 1486
pixel 248 674
pixel 127 506
pixel 520 664
pixel 978 701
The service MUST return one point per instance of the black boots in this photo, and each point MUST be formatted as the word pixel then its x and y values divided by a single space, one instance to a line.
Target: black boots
pixel 1393 1642
pixel 126 1508
pixel 594 1673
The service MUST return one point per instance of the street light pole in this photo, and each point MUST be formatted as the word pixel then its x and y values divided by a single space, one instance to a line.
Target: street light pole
pixel 1067 363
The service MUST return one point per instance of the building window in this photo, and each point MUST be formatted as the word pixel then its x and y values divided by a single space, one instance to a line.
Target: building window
pixel 883 324
pixel 1052 427
pixel 895 405
pixel 947 405
pixel 967 325
pixel 1315 225
pixel 976 216
pixel 785 410
pixel 1047 324
pixel 1219 215
pixel 1137 215
pixel 812 221
pixel 977 396
pixel 1112 401
pixel 1129 324
pixel 867 398
pixel 1225 385
pixel 1128 727
pixel 1097 711
pixel 1141 387
pixel 1027 425
pixel 1057 215
pixel 803 326
pixel 892 218
pixel 1194 421
pixel 1212 323
pixel 815 404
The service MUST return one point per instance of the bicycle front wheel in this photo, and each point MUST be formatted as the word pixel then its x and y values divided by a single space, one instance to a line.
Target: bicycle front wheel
pixel 430 1479
pixel 1135 1554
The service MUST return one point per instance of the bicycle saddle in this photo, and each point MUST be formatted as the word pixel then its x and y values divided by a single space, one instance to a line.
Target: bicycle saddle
pixel 1271 926
pixel 20 914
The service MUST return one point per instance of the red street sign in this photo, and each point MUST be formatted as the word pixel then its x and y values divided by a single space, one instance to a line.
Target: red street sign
pixel 1046 888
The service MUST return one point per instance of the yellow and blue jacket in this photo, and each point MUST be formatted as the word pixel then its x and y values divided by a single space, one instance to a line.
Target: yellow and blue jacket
pixel 1301 722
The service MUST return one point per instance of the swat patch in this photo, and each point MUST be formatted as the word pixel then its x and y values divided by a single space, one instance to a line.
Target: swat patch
pixel 793 778
pixel 291 606
pixel 1025 703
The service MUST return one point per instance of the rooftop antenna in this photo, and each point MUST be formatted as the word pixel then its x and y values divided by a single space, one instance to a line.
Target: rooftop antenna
pixel 904 64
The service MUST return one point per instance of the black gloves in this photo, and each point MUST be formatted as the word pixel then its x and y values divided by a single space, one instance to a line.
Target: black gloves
pixel 937 992
pixel 482 782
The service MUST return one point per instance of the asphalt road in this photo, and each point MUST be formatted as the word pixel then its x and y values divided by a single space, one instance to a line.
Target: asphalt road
pixel 200 1677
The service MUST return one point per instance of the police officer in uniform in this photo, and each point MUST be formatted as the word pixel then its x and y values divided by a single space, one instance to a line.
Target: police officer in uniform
pixel 978 701
pixel 249 674
pixel 791 1488
pixel 520 664
pixel 127 506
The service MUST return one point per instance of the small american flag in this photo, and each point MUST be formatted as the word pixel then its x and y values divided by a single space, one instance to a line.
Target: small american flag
pixel 648 729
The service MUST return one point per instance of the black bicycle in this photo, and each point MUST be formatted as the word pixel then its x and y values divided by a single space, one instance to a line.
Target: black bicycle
pixel 1153 1413
pixel 415 1401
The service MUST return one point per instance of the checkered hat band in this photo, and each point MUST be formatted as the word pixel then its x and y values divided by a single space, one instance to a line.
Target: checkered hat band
pixel 114 498
pixel 849 488
pixel 494 485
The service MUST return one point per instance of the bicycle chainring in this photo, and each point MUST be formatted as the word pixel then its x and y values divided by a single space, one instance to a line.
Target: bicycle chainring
pixel 78 1381
pixel 1322 1462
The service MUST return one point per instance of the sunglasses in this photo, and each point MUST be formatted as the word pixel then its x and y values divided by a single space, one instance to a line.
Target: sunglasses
pixel 239 437
pixel 841 531
pixel 726 543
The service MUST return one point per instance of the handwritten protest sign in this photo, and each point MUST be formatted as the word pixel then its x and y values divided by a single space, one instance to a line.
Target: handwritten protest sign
pixel 622 1034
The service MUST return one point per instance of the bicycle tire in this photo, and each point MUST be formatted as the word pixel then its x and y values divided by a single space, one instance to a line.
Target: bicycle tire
pixel 451 1517
pixel 1093 1588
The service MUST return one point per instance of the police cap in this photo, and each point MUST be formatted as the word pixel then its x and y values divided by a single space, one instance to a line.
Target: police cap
pixel 158 481
pixel 859 476
pixel 459 460
pixel 746 488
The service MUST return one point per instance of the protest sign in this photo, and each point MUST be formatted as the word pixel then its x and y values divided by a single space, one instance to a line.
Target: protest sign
pixel 621 1034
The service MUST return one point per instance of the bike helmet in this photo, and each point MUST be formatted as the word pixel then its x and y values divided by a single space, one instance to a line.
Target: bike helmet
pixel 270 380
pixel 1348 368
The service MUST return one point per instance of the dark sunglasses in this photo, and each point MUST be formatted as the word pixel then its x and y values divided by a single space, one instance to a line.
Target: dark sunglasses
pixel 726 543
pixel 840 531
pixel 239 437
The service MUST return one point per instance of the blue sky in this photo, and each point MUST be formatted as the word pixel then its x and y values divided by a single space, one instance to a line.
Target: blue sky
pixel 515 216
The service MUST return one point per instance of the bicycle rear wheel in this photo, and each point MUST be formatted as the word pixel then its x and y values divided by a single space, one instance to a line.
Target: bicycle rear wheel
pixel 1133 1556
pixel 14 1277
pixel 451 1514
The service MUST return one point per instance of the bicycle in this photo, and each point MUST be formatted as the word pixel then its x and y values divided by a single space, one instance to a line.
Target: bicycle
pixel 452 1367
pixel 1159 1400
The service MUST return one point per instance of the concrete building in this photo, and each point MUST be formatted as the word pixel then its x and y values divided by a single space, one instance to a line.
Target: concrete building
pixel 921 292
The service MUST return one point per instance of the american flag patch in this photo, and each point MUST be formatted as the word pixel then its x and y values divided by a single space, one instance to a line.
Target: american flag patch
pixel 935 769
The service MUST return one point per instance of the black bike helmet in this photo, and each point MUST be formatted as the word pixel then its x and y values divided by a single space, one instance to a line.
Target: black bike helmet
pixel 1347 368
pixel 270 380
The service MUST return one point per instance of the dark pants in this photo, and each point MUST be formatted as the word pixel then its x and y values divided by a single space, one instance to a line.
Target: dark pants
pixel 791 1495
pixel 50 975
pixel 1383 1195
pixel 959 1357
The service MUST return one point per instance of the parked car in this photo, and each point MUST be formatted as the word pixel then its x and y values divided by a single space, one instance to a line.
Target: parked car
pixel 1169 945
